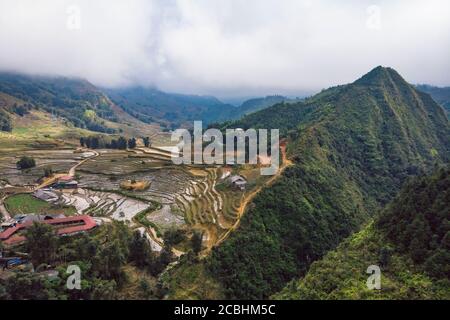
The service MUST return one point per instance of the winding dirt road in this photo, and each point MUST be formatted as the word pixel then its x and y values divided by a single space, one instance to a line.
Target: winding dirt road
pixel 248 199
pixel 71 172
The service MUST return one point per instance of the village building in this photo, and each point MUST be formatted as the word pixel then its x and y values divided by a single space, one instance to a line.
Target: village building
pixel 65 182
pixel 238 182
pixel 46 195
pixel 64 226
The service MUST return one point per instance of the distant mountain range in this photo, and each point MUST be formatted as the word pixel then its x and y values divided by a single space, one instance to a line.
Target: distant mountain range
pixel 175 110
pixel 85 106
pixel 353 147
pixel 439 94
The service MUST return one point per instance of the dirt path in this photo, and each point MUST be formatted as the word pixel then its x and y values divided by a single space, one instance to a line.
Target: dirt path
pixel 74 168
pixel 158 240
pixel 248 199
pixel 71 172
pixel 154 153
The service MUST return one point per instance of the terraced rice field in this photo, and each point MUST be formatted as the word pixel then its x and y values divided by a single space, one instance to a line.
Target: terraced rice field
pixel 188 196
pixel 203 205
pixel 103 204
pixel 118 162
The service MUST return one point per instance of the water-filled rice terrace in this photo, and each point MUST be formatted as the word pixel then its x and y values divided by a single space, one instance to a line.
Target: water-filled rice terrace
pixel 186 196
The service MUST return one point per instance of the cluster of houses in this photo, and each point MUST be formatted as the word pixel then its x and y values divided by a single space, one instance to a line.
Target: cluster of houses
pixel 11 230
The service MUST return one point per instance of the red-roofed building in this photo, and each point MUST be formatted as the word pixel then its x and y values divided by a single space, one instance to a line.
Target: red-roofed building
pixel 64 226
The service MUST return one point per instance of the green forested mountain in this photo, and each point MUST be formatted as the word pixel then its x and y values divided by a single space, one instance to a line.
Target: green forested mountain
pixel 149 105
pixel 441 95
pixel 174 110
pixel 409 241
pixel 353 146
pixel 76 100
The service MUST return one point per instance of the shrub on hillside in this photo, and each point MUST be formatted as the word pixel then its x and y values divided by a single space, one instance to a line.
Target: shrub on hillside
pixel 26 163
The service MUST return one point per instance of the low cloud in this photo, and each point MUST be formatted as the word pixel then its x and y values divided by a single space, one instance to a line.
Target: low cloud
pixel 226 47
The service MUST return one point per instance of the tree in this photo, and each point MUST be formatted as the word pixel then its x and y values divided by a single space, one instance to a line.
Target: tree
pixel 48 172
pixel 165 257
pixel 139 250
pixel 114 144
pixel 26 163
pixel 132 143
pixel 42 243
pixel 145 289
pixel 174 236
pixel 111 261
pixel 197 240
pixel 122 143
pixel 146 141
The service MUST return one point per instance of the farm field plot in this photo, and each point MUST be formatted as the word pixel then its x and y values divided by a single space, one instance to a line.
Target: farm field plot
pixel 196 198
pixel 118 162
pixel 207 208
pixel 165 186
pixel 27 204
pixel 102 204
pixel 59 160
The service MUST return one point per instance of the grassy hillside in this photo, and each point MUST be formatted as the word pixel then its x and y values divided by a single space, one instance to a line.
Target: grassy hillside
pixel 37 111
pixel 75 100
pixel 36 128
pixel 409 240
pixel 353 146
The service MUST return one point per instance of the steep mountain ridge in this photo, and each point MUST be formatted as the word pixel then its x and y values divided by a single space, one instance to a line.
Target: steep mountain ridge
pixel 353 147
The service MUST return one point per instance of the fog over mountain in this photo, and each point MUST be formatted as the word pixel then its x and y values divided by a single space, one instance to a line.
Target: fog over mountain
pixel 226 48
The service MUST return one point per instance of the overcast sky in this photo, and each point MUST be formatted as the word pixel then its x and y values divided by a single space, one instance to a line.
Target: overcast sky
pixel 226 47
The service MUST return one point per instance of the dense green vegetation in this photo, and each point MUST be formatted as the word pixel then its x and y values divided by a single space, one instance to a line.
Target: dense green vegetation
pixel 6 111
pixel 441 95
pixel 409 240
pixel 77 101
pixel 353 147
pixel 102 142
pixel 418 223
pixel 5 121
pixel 102 256
pixel 151 105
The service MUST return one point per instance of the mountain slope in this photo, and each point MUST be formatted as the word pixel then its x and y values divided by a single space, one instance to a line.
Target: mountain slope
pixel 62 108
pixel 257 104
pixel 353 147
pixel 173 110
pixel 441 95
pixel 75 100
pixel 410 241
